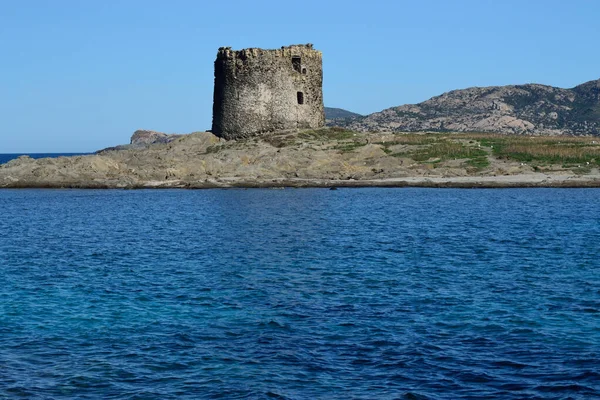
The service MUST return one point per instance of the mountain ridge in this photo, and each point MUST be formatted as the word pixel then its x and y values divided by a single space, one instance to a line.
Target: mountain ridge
pixel 332 113
pixel 528 109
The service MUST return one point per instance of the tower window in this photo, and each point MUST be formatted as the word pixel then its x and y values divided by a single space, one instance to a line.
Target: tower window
pixel 300 98
pixel 297 63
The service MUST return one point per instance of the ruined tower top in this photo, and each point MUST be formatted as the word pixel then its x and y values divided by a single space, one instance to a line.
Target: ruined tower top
pixel 258 91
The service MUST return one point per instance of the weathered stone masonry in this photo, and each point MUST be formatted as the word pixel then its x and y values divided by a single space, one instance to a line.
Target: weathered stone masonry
pixel 258 91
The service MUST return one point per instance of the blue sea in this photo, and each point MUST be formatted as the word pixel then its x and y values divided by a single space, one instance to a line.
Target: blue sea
pixel 300 294
pixel 4 158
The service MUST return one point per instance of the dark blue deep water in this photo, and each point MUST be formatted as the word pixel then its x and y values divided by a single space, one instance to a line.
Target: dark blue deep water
pixel 300 294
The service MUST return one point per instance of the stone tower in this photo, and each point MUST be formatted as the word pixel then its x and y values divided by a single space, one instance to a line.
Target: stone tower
pixel 258 91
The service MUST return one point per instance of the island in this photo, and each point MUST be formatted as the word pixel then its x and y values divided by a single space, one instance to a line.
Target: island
pixel 323 157
pixel 269 130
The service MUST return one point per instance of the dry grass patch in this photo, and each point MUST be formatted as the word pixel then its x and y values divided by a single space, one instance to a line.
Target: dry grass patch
pixel 445 149
pixel 327 134
pixel 543 150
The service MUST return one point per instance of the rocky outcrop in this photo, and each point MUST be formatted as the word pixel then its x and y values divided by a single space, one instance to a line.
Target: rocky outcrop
pixel 517 109
pixel 143 138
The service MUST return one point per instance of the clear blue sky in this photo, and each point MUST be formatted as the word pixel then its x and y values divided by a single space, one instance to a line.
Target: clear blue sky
pixel 83 75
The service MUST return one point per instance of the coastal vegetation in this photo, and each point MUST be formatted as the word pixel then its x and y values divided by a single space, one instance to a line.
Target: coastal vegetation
pixel 476 151
pixel 545 150
pixel 540 151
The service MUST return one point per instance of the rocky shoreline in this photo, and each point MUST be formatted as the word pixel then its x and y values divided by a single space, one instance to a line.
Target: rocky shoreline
pixel 524 181
pixel 320 158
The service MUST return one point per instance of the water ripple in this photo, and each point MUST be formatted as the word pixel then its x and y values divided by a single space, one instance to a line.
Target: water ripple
pixel 295 294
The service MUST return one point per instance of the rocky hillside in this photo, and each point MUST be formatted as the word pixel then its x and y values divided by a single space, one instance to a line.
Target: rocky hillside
pixel 516 109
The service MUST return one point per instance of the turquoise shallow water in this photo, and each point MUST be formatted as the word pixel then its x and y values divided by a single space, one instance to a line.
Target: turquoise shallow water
pixel 298 294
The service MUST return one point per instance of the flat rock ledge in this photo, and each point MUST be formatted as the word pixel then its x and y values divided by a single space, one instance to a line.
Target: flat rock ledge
pixel 515 181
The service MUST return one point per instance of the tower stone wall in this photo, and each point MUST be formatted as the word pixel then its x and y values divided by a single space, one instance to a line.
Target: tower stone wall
pixel 258 91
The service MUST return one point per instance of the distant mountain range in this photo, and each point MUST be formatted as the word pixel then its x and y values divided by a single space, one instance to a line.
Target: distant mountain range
pixel 337 113
pixel 516 109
